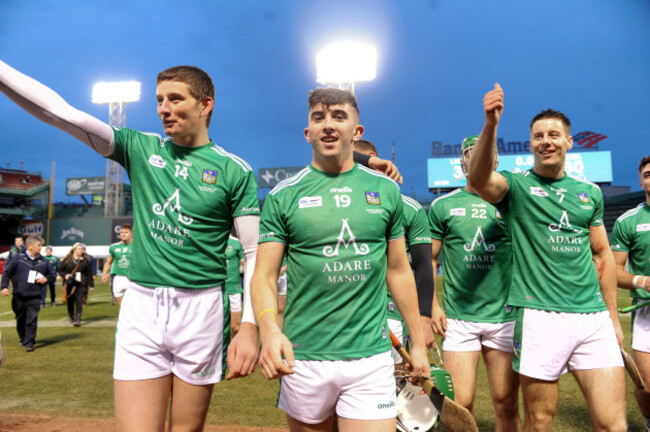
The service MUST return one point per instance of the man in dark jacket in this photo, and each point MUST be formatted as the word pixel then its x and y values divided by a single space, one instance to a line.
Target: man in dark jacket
pixel 28 272
pixel 18 247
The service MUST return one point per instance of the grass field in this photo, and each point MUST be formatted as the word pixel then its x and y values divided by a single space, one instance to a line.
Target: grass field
pixel 69 374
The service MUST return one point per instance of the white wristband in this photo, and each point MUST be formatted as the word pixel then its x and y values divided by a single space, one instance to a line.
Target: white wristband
pixel 637 284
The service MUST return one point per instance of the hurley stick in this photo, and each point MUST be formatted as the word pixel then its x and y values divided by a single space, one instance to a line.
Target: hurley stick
pixel 634 307
pixel 454 416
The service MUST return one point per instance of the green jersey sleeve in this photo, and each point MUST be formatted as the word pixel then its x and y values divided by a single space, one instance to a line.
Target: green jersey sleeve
pixel 416 225
pixel 631 234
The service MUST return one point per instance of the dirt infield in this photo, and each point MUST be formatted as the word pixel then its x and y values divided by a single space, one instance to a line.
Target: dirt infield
pixel 29 423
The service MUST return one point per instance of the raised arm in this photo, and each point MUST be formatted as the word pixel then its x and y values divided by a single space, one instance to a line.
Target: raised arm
pixel 382 165
pixel 46 105
pixel 488 184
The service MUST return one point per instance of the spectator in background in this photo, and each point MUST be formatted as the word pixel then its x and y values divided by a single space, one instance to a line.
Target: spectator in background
pixel 52 282
pixel 19 246
pixel 29 271
pixel 93 267
pixel 77 275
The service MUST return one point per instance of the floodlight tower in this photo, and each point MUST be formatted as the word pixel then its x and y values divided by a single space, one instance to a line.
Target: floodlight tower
pixel 344 63
pixel 116 95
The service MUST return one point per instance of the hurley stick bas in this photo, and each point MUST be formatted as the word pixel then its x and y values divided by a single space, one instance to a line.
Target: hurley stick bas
pixel 632 370
pixel 634 307
pixel 454 416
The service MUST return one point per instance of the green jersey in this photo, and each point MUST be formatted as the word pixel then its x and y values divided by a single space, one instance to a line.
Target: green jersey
pixel 476 257
pixel 632 235
pixel 335 228
pixel 549 221
pixel 234 255
pixel 54 261
pixel 184 203
pixel 416 231
pixel 121 254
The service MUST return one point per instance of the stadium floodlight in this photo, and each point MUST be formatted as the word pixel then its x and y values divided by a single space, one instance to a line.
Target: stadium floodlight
pixel 345 63
pixel 116 92
pixel 116 95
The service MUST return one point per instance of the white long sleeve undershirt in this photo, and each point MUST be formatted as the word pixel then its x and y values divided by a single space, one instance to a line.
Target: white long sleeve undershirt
pixel 46 105
pixel 248 228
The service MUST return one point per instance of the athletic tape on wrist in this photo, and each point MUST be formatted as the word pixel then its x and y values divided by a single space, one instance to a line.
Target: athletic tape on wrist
pixel 637 284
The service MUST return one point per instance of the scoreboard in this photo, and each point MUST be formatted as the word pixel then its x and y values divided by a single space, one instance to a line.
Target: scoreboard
pixel 593 166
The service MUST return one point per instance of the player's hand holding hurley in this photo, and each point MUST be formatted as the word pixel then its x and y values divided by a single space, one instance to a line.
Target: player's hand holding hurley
pixel 493 105
pixel 419 360
pixel 276 356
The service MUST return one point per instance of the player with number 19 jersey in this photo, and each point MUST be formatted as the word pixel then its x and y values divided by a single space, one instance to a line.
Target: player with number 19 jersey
pixel 631 234
pixel 336 297
pixel 185 200
pixel 477 257
pixel 553 269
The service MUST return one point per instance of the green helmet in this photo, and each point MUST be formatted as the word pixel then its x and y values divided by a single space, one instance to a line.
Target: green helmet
pixel 467 143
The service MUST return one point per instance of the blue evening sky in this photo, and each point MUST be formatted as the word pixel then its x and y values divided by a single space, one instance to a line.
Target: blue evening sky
pixel 590 59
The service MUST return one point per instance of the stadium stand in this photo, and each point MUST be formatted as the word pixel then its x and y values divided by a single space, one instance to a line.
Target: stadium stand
pixel 617 205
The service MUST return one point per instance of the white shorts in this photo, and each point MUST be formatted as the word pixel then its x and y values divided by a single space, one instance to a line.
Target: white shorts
pixel 119 285
pixel 396 327
pixel 171 330
pixel 282 284
pixel 466 336
pixel 549 344
pixel 641 330
pixel 235 302
pixel 359 389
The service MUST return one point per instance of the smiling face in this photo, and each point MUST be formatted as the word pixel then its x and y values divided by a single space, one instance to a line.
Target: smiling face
pixel 183 117
pixel 331 130
pixel 549 142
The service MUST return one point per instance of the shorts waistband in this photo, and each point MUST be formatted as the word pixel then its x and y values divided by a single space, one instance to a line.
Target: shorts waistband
pixel 175 292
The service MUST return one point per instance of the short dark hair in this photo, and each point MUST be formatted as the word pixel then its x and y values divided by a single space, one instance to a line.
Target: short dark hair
pixel 645 161
pixel 199 82
pixel 126 226
pixel 331 96
pixel 552 114
pixel 365 146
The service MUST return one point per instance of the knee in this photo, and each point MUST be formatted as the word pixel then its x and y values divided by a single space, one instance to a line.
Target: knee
pixel 539 420
pixel 619 425
pixel 506 406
